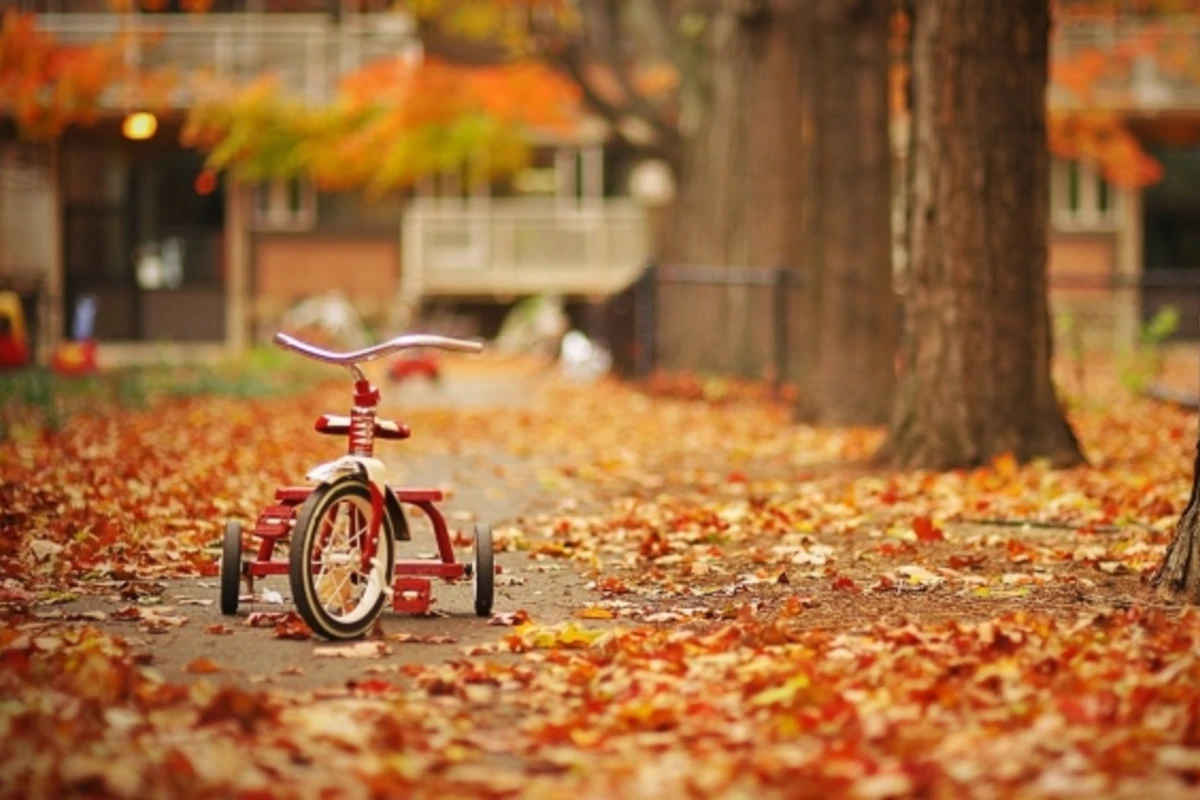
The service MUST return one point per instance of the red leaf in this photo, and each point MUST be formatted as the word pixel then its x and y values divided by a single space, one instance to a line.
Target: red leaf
pixel 844 583
pixel 926 531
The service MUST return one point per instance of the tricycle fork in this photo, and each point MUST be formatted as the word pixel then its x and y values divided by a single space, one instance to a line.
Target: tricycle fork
pixel 372 543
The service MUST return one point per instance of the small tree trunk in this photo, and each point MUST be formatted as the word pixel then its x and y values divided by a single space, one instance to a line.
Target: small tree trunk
pixel 976 379
pixel 1179 572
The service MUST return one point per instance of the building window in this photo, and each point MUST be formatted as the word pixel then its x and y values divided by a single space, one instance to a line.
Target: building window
pixel 285 205
pixel 1080 197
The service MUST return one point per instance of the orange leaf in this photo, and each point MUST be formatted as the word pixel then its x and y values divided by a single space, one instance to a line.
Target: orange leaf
pixel 594 612
pixel 202 666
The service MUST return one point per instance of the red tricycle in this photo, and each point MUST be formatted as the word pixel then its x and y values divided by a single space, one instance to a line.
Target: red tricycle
pixel 342 528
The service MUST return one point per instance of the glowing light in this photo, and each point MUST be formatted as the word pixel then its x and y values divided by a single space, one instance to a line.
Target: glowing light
pixel 140 125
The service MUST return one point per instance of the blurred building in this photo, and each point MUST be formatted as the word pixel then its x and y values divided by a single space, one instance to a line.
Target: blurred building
pixel 98 213
pixel 1119 255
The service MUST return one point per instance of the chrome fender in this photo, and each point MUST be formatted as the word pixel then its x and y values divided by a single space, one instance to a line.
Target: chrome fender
pixel 372 469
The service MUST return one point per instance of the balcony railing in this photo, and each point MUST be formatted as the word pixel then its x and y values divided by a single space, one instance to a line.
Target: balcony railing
pixel 1146 63
pixel 522 246
pixel 309 52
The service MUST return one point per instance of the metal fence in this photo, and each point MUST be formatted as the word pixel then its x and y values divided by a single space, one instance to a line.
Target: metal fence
pixel 711 319
pixel 738 321
pixel 1101 313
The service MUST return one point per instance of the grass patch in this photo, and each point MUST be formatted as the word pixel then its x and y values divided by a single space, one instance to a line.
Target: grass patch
pixel 38 400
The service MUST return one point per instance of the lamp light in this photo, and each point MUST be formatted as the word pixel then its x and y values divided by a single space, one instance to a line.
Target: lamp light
pixel 139 125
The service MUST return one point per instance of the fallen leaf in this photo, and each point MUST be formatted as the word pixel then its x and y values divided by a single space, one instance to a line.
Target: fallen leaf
pixel 594 612
pixel 202 666
pixel 371 649
pixel 519 617
pixel 412 638
pixel 926 531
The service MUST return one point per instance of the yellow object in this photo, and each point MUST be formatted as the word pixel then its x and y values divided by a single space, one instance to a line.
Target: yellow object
pixel 139 125
pixel 10 309
pixel 14 348
pixel 71 354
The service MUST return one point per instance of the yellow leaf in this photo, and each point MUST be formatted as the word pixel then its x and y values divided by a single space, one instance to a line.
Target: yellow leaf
pixel 781 694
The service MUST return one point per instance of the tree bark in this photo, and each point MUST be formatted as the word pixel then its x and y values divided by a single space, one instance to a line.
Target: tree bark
pixel 850 327
pixel 791 168
pixel 976 380
pixel 1179 572
pixel 739 186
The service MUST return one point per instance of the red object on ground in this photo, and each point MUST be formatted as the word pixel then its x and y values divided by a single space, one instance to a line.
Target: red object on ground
pixel 75 358
pixel 13 352
pixel 422 365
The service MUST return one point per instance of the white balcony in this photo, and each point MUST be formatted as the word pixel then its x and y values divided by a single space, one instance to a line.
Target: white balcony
pixel 309 52
pixel 513 247
pixel 1138 54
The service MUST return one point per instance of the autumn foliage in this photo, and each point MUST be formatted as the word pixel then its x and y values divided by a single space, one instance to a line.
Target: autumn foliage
pixel 1101 79
pixel 391 123
pixel 394 121
pixel 48 87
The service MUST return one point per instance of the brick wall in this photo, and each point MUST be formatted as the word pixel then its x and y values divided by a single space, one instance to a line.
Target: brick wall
pixel 288 269
pixel 1081 267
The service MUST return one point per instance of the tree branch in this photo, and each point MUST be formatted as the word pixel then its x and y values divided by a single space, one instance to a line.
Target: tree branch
pixel 570 59
pixel 603 15
pixel 568 52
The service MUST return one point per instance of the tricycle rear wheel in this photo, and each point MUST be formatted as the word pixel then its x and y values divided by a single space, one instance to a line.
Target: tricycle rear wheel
pixel 483 571
pixel 231 567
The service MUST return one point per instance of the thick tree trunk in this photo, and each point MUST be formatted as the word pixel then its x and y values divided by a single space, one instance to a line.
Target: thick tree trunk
pixel 976 380
pixel 850 327
pixel 1179 572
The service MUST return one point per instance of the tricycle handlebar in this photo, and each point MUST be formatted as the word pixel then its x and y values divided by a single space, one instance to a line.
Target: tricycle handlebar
pixel 354 357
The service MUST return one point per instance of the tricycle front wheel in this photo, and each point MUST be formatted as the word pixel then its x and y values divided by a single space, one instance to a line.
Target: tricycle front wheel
pixel 483 571
pixel 334 592
pixel 231 567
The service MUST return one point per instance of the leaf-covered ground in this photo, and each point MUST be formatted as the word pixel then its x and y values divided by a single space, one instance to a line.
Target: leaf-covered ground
pixel 764 614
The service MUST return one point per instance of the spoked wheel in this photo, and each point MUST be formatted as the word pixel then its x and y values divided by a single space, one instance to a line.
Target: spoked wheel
pixel 483 571
pixel 231 567
pixel 334 592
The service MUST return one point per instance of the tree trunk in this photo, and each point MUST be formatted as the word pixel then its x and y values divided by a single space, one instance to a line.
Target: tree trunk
pixel 737 191
pixel 739 187
pixel 849 330
pixel 791 168
pixel 976 380
pixel 1179 572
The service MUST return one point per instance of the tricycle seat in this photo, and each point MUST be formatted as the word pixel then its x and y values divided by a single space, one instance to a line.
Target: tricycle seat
pixel 384 428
